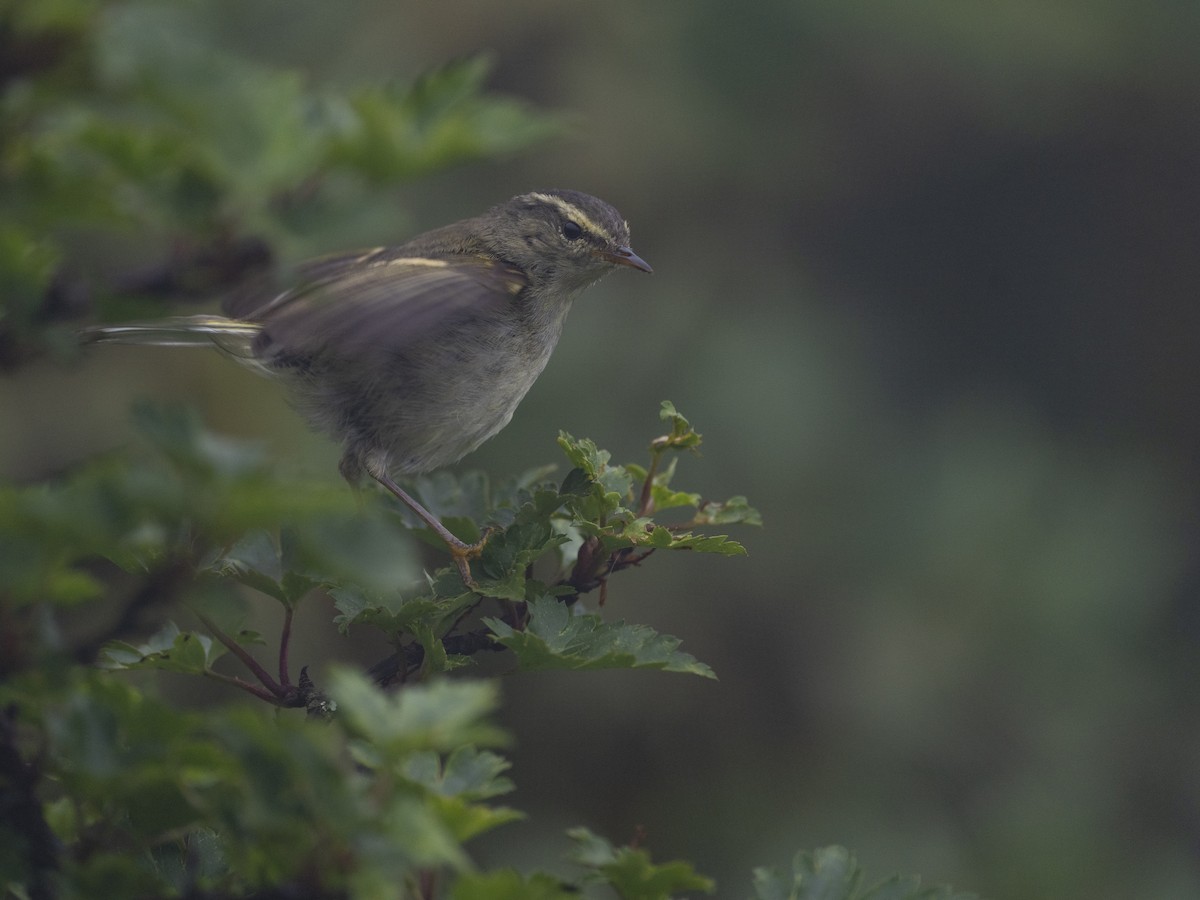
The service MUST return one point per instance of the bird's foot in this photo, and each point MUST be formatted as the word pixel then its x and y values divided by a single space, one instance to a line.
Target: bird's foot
pixel 463 553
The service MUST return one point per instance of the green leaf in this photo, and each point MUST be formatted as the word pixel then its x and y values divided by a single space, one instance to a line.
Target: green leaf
pixel 631 873
pixel 598 493
pixel 682 436
pixel 467 772
pixel 27 265
pixel 735 510
pixel 584 455
pixel 468 775
pixel 393 613
pixel 257 561
pixel 719 544
pixel 554 638
pixel 435 661
pixel 466 820
pixel 438 715
pixel 832 873
pixel 665 498
pixel 441 119
pixel 179 434
pixel 577 483
pixel 170 650
pixel 502 565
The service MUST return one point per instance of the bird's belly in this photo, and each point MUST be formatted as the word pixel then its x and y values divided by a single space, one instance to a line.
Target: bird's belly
pixel 464 397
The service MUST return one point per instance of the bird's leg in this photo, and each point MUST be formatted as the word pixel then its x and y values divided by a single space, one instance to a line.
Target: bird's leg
pixel 461 551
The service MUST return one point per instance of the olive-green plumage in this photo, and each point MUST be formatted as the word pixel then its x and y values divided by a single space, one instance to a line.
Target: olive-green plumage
pixel 412 356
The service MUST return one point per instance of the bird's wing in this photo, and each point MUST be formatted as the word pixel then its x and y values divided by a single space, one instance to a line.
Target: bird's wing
pixel 379 301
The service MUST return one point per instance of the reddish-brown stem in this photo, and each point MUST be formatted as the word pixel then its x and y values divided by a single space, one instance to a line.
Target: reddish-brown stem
pixel 276 689
pixel 645 502
pixel 428 883
pixel 285 636
pixel 254 689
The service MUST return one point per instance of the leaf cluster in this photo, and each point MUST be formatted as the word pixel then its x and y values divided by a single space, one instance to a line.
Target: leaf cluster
pixel 135 797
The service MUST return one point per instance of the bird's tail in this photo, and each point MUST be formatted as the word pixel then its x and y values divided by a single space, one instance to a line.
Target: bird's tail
pixel 229 335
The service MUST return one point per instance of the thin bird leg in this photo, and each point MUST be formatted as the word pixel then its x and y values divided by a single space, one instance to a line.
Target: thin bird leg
pixel 462 552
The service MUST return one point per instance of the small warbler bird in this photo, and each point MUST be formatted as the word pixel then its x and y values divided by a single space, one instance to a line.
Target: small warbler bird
pixel 412 356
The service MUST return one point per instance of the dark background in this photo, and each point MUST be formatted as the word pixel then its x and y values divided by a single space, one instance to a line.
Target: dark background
pixel 926 280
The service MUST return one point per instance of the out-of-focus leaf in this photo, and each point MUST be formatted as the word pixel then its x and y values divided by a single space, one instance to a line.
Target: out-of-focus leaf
pixel 467 772
pixel 392 612
pixel 832 873
pixel 27 265
pixel 441 119
pixel 631 873
pixel 440 715
pixel 734 511
pixel 171 650
pixel 458 783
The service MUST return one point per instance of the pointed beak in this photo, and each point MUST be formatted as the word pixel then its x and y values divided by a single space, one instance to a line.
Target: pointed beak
pixel 623 256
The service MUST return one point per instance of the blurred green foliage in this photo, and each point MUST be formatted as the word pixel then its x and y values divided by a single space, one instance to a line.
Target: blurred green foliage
pixel 925 273
pixel 125 119
pixel 130 797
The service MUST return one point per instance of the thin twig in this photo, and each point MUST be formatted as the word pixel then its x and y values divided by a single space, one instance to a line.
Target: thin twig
pixel 285 636
pixel 645 501
pixel 247 660
pixel 260 693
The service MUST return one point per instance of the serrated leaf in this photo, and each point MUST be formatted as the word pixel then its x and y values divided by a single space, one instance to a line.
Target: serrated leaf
pixel 832 873
pixel 735 510
pixel 169 650
pixel 467 772
pixel 719 544
pixel 438 715
pixel 399 131
pixel 254 562
pixel 467 775
pixel 665 498
pixel 554 638
pixel 630 871
pixel 505 557
pixel 434 661
pixel 584 454
pixel 392 612
pixel 682 436
pixel 598 493
pixel 467 820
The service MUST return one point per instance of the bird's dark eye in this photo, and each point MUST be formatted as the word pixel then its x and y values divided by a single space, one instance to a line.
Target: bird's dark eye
pixel 571 230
